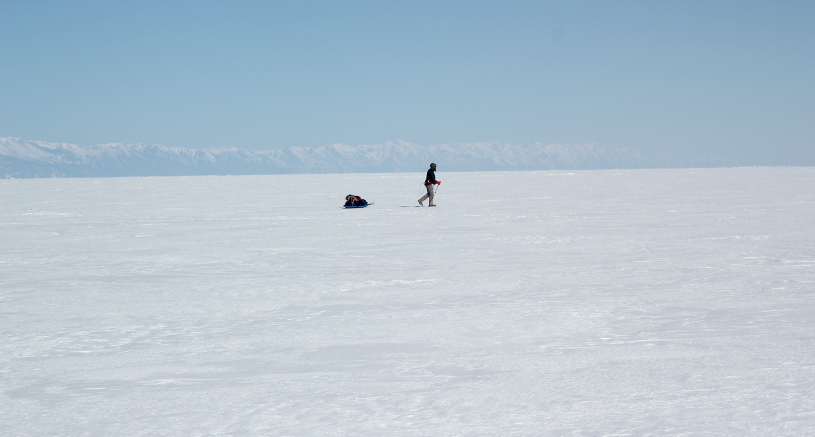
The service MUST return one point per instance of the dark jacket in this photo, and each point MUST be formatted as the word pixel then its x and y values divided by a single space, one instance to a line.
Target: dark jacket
pixel 431 177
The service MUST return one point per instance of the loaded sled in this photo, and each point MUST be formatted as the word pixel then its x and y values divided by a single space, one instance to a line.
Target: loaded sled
pixel 354 201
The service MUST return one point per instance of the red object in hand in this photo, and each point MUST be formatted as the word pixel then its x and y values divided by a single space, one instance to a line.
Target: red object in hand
pixel 438 182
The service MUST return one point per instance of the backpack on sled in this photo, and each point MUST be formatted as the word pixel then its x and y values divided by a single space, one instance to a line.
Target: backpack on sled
pixel 354 201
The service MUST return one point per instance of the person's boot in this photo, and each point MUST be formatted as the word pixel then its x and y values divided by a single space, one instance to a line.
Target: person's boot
pixel 420 202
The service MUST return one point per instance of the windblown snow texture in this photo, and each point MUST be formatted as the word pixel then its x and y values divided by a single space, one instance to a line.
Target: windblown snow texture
pixel 32 159
pixel 586 303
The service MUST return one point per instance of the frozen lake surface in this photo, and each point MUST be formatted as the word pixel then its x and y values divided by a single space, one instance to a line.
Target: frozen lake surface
pixel 637 302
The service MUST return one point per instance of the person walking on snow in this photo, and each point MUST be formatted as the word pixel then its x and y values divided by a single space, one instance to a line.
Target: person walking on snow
pixel 429 181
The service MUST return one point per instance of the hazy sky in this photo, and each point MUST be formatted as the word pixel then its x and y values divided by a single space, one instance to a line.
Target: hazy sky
pixel 729 78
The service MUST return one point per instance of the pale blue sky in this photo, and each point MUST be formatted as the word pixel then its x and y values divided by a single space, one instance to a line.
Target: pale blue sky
pixel 690 78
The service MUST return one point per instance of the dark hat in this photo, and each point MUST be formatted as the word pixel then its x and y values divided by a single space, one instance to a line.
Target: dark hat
pixel 433 165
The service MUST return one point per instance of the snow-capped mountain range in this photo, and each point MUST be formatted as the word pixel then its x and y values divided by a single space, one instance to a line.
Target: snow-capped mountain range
pixel 31 159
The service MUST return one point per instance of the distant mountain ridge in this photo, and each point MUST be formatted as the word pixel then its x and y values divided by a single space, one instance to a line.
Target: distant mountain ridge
pixel 35 159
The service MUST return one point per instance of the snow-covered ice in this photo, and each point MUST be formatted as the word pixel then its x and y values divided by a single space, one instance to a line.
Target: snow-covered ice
pixel 637 302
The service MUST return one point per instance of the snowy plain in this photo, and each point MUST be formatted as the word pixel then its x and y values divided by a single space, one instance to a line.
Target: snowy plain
pixel 585 303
